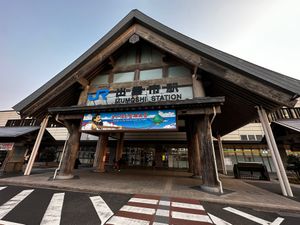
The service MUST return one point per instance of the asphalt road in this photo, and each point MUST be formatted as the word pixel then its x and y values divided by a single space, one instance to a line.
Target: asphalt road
pixel 30 206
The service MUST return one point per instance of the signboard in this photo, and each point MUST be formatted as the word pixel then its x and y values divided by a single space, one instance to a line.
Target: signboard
pixel 140 94
pixel 133 120
pixel 6 146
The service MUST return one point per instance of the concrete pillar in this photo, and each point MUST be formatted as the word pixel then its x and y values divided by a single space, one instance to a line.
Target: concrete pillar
pixel 103 142
pixel 283 154
pixel 210 177
pixel 220 156
pixel 281 174
pixel 36 146
pixel 69 158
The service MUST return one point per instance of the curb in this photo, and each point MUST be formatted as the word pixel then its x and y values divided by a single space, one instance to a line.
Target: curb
pixel 252 205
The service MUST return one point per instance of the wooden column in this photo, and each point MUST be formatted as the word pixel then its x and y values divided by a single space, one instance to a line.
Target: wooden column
pixel 193 145
pixel 190 146
pixel 209 173
pixel 120 146
pixel 100 167
pixel 67 167
pixel 83 95
pixel 97 153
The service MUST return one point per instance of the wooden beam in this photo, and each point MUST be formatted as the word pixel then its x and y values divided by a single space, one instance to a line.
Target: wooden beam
pixel 257 87
pixel 84 82
pixel 169 46
pixel 81 71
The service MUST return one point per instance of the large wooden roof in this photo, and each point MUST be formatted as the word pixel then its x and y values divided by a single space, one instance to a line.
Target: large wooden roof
pixel 243 84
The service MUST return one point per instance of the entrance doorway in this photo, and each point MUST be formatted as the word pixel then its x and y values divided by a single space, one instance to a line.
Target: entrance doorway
pixel 160 156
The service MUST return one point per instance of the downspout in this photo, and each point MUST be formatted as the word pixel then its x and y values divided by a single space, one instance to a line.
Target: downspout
pixel 63 151
pixel 214 154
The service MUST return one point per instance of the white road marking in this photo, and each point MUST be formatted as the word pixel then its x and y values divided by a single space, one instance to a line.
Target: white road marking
pixel 166 203
pixel 1 188
pixel 119 220
pixel 162 212
pixel 144 200
pixel 13 202
pixel 190 216
pixel 102 209
pixel 2 222
pixel 136 209
pixel 217 220
pixel 53 213
pixel 187 205
pixel 254 218
pixel 156 223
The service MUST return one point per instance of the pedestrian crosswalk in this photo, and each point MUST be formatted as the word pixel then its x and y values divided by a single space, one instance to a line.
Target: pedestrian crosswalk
pixel 157 210
pixel 139 210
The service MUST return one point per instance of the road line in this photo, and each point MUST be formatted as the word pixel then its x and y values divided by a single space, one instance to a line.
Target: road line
pixel 190 216
pixel 136 209
pixel 118 220
pixel 52 215
pixel 253 218
pixel 217 220
pixel 144 200
pixel 278 221
pixel 102 209
pixel 187 205
pixel 3 222
pixel 162 212
pixel 13 202
pixel 165 203
pixel 156 223
pixel 1 188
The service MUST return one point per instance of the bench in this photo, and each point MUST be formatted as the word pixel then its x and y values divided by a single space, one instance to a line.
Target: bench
pixel 251 170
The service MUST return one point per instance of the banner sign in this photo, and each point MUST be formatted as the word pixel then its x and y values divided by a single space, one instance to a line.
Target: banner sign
pixel 141 120
pixel 6 146
pixel 139 94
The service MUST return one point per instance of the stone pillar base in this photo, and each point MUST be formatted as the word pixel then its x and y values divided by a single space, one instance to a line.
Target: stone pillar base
pixel 64 176
pixel 211 189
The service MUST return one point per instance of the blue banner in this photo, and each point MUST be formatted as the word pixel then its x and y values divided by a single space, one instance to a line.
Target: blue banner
pixel 142 120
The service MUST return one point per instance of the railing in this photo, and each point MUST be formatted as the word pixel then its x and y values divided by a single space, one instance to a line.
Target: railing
pixel 285 113
pixel 30 122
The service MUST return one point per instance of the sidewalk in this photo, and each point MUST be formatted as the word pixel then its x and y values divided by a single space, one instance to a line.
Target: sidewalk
pixel 163 183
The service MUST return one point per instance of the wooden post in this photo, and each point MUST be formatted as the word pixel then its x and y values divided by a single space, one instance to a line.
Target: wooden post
pixel 83 96
pixel 97 153
pixel 120 146
pixel 190 145
pixel 67 167
pixel 209 173
pixel 36 146
pixel 103 141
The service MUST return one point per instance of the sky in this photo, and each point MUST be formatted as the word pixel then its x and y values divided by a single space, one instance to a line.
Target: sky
pixel 39 38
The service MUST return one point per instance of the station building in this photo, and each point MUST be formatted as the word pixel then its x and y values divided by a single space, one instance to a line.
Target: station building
pixel 150 96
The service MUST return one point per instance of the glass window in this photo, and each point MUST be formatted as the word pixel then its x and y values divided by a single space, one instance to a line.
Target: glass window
pixel 179 71
pixel 244 138
pixel 251 137
pixel 123 77
pixel 258 137
pixel 101 79
pixel 151 74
